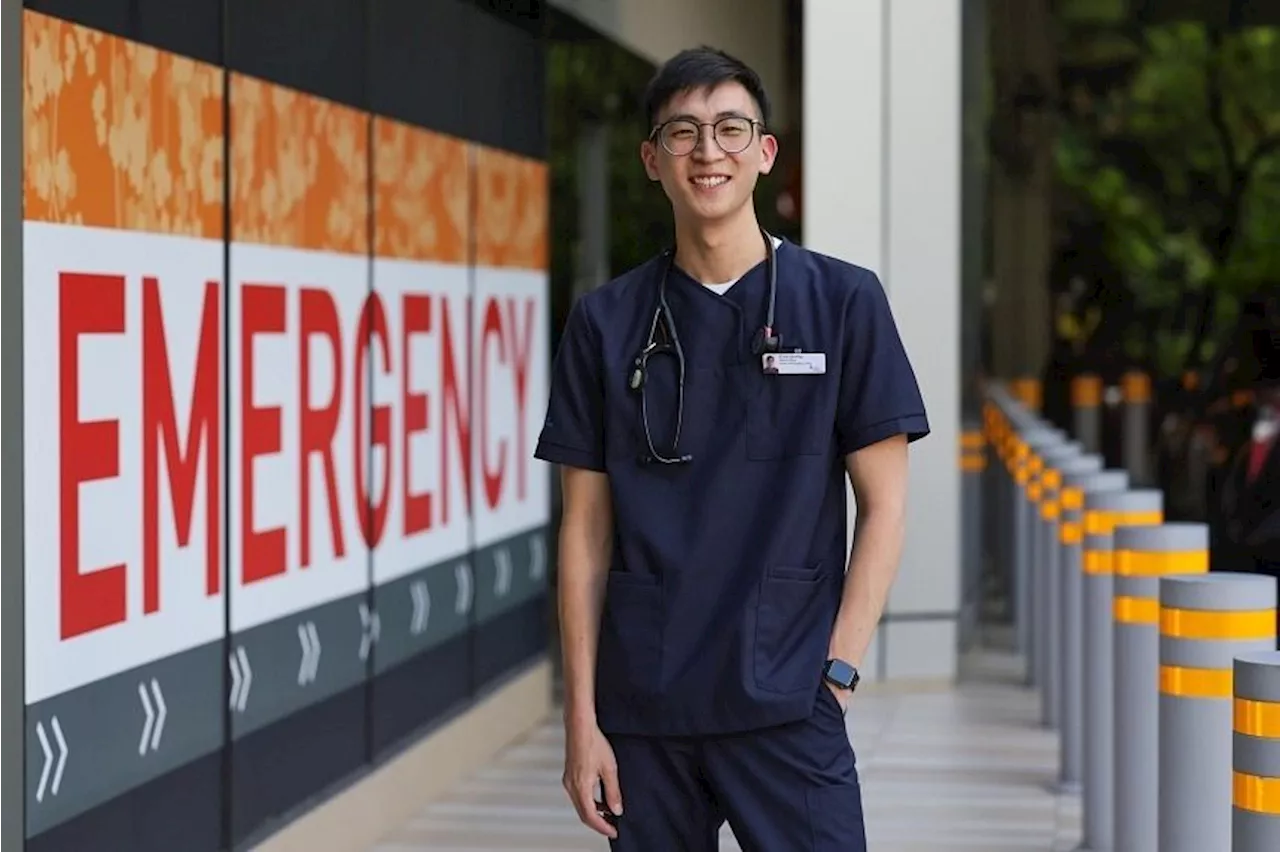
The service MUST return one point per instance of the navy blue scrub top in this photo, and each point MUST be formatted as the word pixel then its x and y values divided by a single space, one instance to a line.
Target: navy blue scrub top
pixel 727 572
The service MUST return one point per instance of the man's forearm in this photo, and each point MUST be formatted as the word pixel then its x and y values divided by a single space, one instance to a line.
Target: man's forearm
pixel 583 571
pixel 873 565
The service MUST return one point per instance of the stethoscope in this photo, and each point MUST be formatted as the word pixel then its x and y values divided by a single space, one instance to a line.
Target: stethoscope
pixel 765 341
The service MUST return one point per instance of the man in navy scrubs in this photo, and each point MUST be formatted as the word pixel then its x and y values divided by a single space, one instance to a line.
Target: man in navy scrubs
pixel 711 635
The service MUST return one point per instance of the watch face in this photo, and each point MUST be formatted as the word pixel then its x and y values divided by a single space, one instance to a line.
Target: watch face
pixel 841 673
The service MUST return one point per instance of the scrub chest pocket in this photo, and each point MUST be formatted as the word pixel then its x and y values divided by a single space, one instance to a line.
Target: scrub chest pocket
pixel 790 415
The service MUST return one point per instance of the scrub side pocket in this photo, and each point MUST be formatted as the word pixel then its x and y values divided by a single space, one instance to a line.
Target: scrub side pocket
pixel 630 645
pixel 793 619
pixel 789 416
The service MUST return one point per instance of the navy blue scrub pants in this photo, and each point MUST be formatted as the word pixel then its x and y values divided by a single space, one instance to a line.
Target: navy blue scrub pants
pixel 790 788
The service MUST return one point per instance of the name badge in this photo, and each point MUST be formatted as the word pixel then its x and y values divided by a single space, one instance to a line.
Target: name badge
pixel 794 363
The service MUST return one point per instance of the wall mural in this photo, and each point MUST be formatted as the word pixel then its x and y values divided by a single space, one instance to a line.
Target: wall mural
pixel 283 376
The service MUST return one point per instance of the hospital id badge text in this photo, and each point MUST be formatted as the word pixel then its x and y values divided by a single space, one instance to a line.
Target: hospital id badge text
pixel 794 363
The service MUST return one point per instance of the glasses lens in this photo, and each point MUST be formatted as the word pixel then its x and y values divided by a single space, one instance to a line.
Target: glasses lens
pixel 680 137
pixel 733 134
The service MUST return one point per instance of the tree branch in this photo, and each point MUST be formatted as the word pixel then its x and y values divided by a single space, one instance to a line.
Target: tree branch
pixel 1213 98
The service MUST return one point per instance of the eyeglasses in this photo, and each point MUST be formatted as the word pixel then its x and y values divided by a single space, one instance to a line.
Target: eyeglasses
pixel 680 136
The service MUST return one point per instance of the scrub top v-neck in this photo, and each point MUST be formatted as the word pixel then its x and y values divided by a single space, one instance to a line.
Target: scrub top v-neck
pixel 726 572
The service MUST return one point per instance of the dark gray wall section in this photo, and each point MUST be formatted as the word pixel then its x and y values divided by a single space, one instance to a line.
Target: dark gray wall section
pixel 12 608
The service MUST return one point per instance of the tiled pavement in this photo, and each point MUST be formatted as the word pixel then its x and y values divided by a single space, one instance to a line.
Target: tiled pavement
pixel 964 769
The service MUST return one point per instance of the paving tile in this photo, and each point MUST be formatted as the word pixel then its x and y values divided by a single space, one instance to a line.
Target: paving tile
pixel 963 769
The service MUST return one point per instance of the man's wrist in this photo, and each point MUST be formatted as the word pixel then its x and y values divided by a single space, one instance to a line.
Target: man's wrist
pixel 576 715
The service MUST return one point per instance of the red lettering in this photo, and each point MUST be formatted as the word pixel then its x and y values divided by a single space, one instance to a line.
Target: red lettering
pixel 373 518
pixel 318 426
pixel 88 450
pixel 416 312
pixel 262 551
pixel 492 475
pixel 521 351
pixel 159 423
pixel 455 411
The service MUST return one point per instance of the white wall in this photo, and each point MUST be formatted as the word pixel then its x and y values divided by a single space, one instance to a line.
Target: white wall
pixel 752 30
pixel 882 189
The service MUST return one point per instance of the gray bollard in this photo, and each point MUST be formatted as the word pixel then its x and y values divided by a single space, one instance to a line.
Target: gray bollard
pixel 1255 817
pixel 1069 673
pixel 1135 388
pixel 1086 411
pixel 1038 442
pixel 1047 571
pixel 1106 504
pixel 1142 556
pixel 1206 621
pixel 973 462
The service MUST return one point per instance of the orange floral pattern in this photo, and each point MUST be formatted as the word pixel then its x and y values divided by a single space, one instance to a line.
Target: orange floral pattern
pixel 122 135
pixel 299 169
pixel 118 134
pixel 511 210
pixel 420 193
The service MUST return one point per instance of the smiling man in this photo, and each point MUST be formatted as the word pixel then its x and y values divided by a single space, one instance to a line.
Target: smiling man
pixel 707 409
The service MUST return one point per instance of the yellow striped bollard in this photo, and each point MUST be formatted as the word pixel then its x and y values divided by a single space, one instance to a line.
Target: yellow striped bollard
pixel 1255 819
pixel 1206 622
pixel 1142 556
pixel 973 462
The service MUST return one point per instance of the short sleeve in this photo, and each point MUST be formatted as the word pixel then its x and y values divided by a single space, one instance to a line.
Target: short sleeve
pixel 879 394
pixel 573 431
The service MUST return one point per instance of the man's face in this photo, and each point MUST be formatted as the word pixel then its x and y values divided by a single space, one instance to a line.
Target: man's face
pixel 708 184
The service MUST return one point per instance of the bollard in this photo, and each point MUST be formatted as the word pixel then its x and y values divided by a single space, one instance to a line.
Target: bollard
pixel 1142 556
pixel 1135 390
pixel 1067 596
pixel 1047 568
pixel 1030 562
pixel 1028 392
pixel 1107 504
pixel 1255 813
pixel 1086 411
pixel 1205 623
pixel 973 462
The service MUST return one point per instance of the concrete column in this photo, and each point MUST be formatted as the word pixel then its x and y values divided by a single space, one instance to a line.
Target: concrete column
pixel 1255 819
pixel 1205 623
pixel 12 608
pixel 882 190
pixel 591 266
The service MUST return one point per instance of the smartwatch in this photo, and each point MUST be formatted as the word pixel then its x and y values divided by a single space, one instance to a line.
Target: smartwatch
pixel 841 674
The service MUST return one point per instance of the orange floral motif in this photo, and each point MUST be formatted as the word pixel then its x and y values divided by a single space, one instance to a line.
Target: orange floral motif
pixel 118 134
pixel 299 169
pixel 420 197
pixel 511 210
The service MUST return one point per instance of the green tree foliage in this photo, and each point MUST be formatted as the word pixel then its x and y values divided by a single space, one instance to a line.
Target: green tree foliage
pixel 1172 139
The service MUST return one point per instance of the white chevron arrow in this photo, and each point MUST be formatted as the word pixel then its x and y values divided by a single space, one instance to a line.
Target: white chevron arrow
pixel 502 574
pixel 241 679
pixel 421 606
pixel 49 763
pixel 153 725
pixel 537 557
pixel 370 629
pixel 462 573
pixel 309 639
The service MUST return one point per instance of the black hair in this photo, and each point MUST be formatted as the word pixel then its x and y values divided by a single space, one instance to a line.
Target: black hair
pixel 701 68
